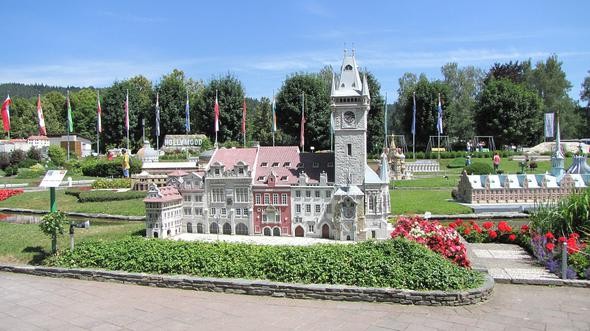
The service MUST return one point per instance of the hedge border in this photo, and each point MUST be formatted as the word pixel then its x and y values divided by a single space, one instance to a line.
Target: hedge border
pixel 272 289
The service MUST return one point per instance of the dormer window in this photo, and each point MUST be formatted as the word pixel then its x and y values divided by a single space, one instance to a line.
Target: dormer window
pixel 217 171
pixel 347 67
pixel 261 178
pixel 275 164
pixel 287 164
pixel 241 170
pixel 284 178
pixel 316 165
pixel 264 164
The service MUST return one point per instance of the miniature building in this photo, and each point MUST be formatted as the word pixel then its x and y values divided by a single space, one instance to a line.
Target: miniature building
pixel 142 181
pixel 82 147
pixel 397 162
pixel 163 208
pixel 147 154
pixel 38 141
pixel 280 191
pixel 524 188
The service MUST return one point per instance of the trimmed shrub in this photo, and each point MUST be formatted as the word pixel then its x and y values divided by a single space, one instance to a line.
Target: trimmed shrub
pixel 100 196
pixel 112 183
pixel 101 167
pixel 395 263
pixel 479 168
pixel 57 155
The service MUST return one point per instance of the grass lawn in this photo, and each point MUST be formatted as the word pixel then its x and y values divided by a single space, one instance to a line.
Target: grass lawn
pixel 40 201
pixel 419 201
pixel 25 243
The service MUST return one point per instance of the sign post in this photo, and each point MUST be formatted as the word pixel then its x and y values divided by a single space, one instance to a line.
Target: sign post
pixel 52 180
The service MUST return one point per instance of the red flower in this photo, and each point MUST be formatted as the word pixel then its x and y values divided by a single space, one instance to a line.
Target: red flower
pixel 493 234
pixel 549 236
pixel 488 225
pixel 550 246
pixel 512 237
pixel 453 225
pixel 504 227
pixel 561 240
pixel 574 235
pixel 466 231
pixel 524 228
pixel 476 228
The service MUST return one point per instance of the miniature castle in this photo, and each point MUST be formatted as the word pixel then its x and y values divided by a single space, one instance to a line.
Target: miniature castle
pixel 282 191
pixel 525 188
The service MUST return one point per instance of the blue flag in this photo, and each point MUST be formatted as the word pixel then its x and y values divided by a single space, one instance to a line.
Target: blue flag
pixel 439 123
pixel 187 125
pixel 414 114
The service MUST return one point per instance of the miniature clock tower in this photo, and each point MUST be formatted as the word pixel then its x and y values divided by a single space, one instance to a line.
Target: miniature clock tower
pixel 350 102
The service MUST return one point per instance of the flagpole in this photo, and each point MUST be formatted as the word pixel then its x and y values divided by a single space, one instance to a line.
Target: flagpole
pixel 439 122
pixel 302 122
pixel 68 115
pixel 272 123
pixel 216 125
pixel 385 121
pixel 97 124
pixel 414 125
pixel 127 119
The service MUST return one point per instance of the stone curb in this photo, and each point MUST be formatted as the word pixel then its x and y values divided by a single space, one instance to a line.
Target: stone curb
pixel 544 282
pixel 268 288
pixel 77 214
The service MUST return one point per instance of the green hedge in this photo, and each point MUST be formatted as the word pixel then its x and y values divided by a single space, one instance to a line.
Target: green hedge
pixel 112 183
pixel 478 168
pixel 101 167
pixel 391 263
pixel 100 196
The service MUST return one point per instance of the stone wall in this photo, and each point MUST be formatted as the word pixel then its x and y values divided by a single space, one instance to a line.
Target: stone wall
pixel 274 289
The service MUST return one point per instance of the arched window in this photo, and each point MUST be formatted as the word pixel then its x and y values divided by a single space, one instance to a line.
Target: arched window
pixel 266 231
pixel 189 227
pixel 241 229
pixel 226 228
pixel 200 228
pixel 299 231
pixel 348 67
pixel 276 231
pixel 214 228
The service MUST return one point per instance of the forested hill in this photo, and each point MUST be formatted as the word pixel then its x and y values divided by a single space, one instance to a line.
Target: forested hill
pixel 31 90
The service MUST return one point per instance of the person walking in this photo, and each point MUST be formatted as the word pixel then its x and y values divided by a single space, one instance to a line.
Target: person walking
pixel 496 161
pixel 125 164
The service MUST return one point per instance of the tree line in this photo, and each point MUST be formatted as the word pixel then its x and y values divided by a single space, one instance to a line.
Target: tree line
pixel 507 102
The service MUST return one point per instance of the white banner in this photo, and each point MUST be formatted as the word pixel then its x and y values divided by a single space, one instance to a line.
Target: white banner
pixel 549 125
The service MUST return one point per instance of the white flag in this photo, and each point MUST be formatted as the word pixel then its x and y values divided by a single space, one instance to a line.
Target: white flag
pixel 549 125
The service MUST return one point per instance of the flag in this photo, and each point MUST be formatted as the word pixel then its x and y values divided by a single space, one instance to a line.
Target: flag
pixel 42 130
pixel 414 114
pixel 274 115
pixel 216 109
pixel 127 111
pixel 302 126
pixel 6 113
pixel 98 113
pixel 332 122
pixel 244 118
pixel 385 121
pixel 70 122
pixel 157 114
pixel 187 108
pixel 549 119
pixel 439 122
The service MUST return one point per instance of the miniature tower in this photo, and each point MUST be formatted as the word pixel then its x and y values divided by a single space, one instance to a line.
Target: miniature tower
pixel 557 159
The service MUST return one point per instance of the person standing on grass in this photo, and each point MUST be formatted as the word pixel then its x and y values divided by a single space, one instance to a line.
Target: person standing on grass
pixel 125 164
pixel 496 161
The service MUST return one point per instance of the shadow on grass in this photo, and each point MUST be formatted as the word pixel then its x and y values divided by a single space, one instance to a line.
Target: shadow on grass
pixel 139 233
pixel 39 256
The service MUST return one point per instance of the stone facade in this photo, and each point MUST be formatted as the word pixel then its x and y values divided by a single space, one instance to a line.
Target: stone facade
pixel 163 212
pixel 281 191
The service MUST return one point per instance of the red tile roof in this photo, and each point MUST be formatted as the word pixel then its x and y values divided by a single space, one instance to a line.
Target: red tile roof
pixel 281 160
pixel 229 157
pixel 167 193
pixel 38 138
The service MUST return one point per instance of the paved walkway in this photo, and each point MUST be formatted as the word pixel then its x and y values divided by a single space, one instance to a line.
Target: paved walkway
pixel 36 303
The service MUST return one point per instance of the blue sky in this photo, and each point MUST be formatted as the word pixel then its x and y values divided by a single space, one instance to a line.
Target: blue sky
pixel 261 42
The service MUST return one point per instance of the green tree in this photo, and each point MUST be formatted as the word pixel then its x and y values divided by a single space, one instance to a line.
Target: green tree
pixel 464 84
pixel 84 113
pixel 510 112
pixel 407 85
pixel 23 118
pixel 57 155
pixel 513 71
pixel 375 126
pixel 230 94
pixel 317 110
pixel 426 108
pixel 54 105
pixel 52 224
pixel 173 90
pixel 141 103
pixel 262 124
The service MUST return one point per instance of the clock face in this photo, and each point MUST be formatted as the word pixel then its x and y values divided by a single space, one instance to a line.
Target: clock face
pixel 349 117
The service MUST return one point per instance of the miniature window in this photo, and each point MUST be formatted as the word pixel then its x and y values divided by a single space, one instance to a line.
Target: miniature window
pixel 316 165
pixel 308 194
pixel 284 178
pixel 349 149
pixel 330 164
pixel 317 209
pixel 298 194
pixel 284 198
pixel 260 178
pixel 287 164
pixel 275 164
pixel 348 67
pixel 257 199
pixel 264 164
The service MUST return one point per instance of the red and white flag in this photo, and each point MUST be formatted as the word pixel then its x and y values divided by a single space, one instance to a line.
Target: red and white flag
pixel 98 113
pixel 216 109
pixel 302 125
pixel 42 130
pixel 6 113
pixel 127 111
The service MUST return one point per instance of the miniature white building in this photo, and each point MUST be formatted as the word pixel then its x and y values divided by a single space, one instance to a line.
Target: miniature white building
pixel 163 208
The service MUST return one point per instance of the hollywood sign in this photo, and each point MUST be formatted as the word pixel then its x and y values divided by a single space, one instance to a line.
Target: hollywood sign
pixel 178 141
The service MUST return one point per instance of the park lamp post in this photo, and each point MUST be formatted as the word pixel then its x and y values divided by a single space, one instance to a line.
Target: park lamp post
pixel 83 225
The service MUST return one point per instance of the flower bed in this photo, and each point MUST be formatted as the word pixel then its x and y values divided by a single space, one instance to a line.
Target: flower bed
pixel 7 193
pixel 488 231
pixel 440 239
